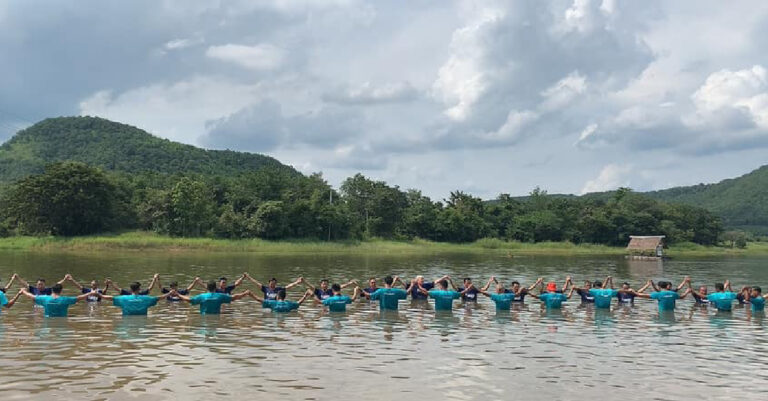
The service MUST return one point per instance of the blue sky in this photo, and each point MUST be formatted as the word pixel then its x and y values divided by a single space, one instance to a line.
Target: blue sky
pixel 487 97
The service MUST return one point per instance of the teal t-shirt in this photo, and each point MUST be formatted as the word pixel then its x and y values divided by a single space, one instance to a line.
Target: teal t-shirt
pixel 3 300
pixel 388 297
pixel 55 307
pixel 444 298
pixel 337 303
pixel 503 301
pixel 603 296
pixel 134 304
pixel 281 306
pixel 666 299
pixel 758 304
pixel 553 300
pixel 210 302
pixel 722 300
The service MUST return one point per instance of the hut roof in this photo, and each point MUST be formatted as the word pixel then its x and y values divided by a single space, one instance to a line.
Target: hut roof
pixel 645 242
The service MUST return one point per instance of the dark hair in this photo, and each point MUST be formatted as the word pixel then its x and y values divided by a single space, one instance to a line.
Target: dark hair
pixel 57 288
pixel 626 283
pixel 336 288
pixel 273 279
pixel 222 279
pixel 467 279
pixel 515 282
pixel 135 286
pixel 665 284
pixel 41 280
pixel 719 287
pixel 211 286
pixel 173 284
pixel 758 289
pixel 389 280
pixel 325 280
pixel 598 284
pixel 281 294
pixel 443 283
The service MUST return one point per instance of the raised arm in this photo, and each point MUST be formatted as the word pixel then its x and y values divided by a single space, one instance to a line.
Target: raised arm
pixel 23 282
pixel 488 284
pixel 63 280
pixel 396 280
pixel 86 295
pixel 450 282
pixel 253 280
pixel 239 281
pixel 568 281
pixel 13 300
pixel 727 285
pixel 685 294
pixel 241 295
pixel 297 282
pixel 176 294
pixel 534 285
pixel 350 282
pixel 153 283
pixel 106 297
pixel 27 294
pixel 645 287
pixel 10 283
pixel 193 283
pixel 254 296
pixel 114 285
pixel 655 287
pixel 682 283
pixel 356 293
pixel 73 281
pixel 304 298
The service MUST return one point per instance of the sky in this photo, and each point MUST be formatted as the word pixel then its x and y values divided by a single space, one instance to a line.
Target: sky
pixel 486 97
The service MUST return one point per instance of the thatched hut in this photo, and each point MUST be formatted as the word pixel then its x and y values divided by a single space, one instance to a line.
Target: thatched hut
pixel 646 245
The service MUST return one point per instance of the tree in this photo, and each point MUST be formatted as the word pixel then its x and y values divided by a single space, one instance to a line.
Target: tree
pixel 191 208
pixel 67 199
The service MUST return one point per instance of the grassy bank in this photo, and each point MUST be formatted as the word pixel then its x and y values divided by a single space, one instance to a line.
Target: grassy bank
pixel 142 241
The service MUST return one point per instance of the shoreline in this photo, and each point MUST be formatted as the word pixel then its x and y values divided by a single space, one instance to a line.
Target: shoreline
pixel 150 242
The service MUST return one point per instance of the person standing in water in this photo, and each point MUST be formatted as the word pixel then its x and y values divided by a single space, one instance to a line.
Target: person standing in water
pixel 280 305
pixel 503 298
pixel 388 296
pixel 627 295
pixel 122 291
pixel 271 290
pixel 5 303
pixel 443 296
pixel 173 287
pixel 722 299
pixel 94 287
pixel 211 301
pixel 664 295
pixel 338 302
pixel 553 299
pixel 136 303
pixel 756 298
pixel 55 305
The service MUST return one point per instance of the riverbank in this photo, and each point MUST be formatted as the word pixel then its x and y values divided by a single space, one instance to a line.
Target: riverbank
pixel 143 241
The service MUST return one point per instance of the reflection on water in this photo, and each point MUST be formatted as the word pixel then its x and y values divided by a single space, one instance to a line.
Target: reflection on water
pixel 472 352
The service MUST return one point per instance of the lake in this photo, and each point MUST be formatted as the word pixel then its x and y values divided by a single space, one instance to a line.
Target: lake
pixel 473 353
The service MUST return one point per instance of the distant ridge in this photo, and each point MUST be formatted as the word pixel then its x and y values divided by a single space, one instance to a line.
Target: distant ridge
pixel 116 147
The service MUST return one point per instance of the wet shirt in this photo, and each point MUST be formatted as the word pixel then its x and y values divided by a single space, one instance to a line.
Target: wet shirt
pixel 369 290
pixel 444 298
pixel 35 291
pixel 210 302
pixel 337 303
pixel 226 290
pixel 603 296
pixel 722 300
pixel 281 306
pixel 586 296
pixel 469 296
pixel 519 296
pixel 55 306
pixel 269 293
pixel 322 294
pixel 758 304
pixel 625 297
pixel 503 301
pixel 699 300
pixel 174 298
pixel 553 300
pixel 666 299
pixel 134 304
pixel 416 294
pixel 388 297
pixel 742 300
pixel 3 300
pixel 91 298
pixel 127 292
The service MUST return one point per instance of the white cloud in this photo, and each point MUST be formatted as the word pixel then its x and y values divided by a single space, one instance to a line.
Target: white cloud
pixel 564 91
pixel 368 93
pixel 259 57
pixel 611 177
pixel 745 90
pixel 178 44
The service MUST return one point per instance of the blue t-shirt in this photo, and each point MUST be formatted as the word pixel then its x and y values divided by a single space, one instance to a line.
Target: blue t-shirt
pixel 226 290
pixel 323 294
pixel 586 296
pixel 210 302
pixel 444 298
pixel 666 299
pixel 503 301
pixel 174 298
pixel 553 300
pixel 388 297
pixel 269 293
pixel 91 298
pixel 469 296
pixel 369 290
pixel 3 300
pixel 722 300
pixel 281 306
pixel 55 307
pixel 625 297
pixel 519 296
pixel 134 304
pixel 699 300
pixel 128 292
pixel 742 300
pixel 603 296
pixel 337 303
pixel 45 291
pixel 758 304
pixel 416 293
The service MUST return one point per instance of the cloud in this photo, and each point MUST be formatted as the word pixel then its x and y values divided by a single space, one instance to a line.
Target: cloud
pixel 744 92
pixel 259 57
pixel 611 177
pixel 369 94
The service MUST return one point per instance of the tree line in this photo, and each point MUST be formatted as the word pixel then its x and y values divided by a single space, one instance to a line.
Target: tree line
pixel 72 198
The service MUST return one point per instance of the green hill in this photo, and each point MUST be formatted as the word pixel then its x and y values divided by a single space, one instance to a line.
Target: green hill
pixel 742 202
pixel 116 147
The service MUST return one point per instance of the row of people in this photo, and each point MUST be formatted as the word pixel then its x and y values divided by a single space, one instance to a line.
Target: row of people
pixel 442 290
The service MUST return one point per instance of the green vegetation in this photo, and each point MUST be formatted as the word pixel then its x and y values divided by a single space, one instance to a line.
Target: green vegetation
pixel 117 178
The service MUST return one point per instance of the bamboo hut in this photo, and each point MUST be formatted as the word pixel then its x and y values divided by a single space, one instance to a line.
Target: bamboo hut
pixel 646 246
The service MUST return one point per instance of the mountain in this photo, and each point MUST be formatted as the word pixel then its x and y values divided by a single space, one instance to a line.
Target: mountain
pixel 116 147
pixel 741 202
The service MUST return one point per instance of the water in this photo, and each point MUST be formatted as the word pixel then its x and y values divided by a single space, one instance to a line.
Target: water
pixel 470 354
